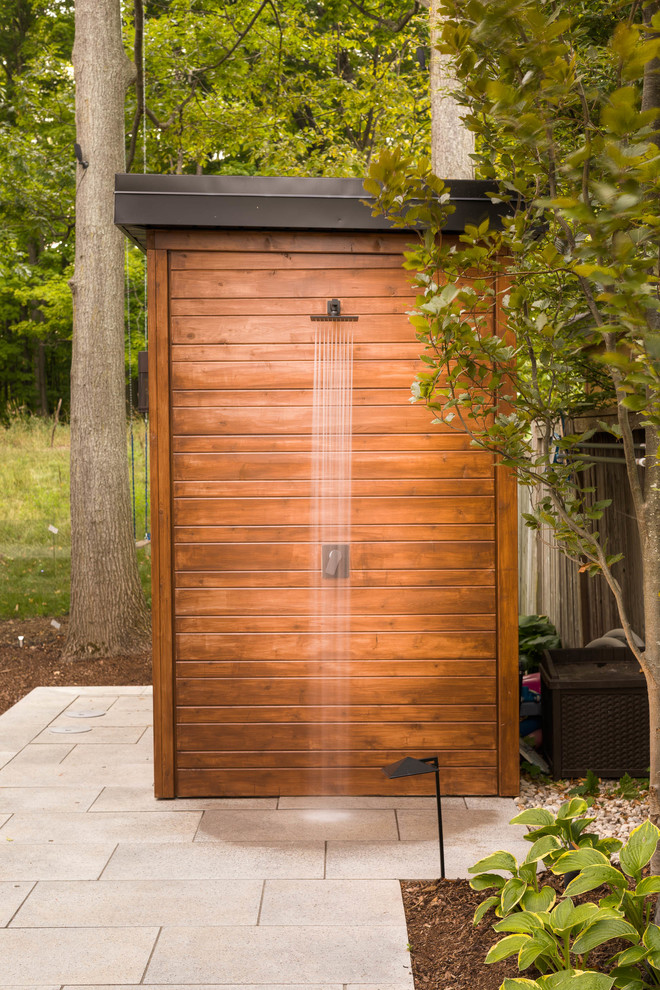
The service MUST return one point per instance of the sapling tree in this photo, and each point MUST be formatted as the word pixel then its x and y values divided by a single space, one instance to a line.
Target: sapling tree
pixel 563 100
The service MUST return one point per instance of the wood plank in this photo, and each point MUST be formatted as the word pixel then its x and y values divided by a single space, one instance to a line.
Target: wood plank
pixel 474 671
pixel 337 714
pixel 399 689
pixel 330 735
pixel 287 329
pixel 211 353
pixel 400 488
pixel 161 525
pixel 283 397
pixel 483 577
pixel 364 511
pixel 346 759
pixel 278 260
pixel 306 534
pixel 288 374
pixel 403 647
pixel 245 283
pixel 294 466
pixel 247 601
pixel 297 420
pixel 364 443
pixel 245 783
pixel 303 556
pixel 260 305
pixel 268 241
pixel 427 624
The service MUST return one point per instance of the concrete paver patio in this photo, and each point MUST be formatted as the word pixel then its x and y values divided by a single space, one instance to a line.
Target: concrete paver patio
pixel 103 886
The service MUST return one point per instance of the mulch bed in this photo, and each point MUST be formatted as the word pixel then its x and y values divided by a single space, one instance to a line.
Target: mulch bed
pixel 448 951
pixel 38 662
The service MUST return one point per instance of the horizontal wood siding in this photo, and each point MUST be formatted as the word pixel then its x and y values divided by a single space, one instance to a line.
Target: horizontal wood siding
pixel 270 696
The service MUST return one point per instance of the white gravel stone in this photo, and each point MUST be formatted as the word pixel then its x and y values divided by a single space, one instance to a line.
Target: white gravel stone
pixel 614 816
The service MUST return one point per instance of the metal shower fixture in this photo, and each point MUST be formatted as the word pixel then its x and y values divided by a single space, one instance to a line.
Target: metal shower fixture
pixel 334 314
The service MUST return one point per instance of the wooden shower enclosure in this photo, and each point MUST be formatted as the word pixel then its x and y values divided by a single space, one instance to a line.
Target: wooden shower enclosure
pixel 257 689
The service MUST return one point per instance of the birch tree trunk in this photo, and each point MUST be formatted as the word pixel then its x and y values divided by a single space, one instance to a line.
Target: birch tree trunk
pixel 108 611
pixel 451 142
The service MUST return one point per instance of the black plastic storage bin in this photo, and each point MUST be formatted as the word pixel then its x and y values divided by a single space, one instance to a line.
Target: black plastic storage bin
pixel 595 712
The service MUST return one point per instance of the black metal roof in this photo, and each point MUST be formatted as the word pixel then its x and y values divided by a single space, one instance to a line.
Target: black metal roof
pixel 146 202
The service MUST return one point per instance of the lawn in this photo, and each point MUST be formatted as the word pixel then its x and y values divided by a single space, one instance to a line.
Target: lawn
pixel 34 481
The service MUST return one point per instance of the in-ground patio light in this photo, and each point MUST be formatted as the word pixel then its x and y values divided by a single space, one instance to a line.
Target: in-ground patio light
pixel 411 767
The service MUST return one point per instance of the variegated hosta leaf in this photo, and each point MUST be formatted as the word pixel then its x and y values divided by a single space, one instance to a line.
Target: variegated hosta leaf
pixel 543 847
pixel 484 908
pixel 506 947
pixel 578 859
pixel 639 848
pixel 595 876
pixel 649 885
pixel 534 816
pixel 499 860
pixel 539 900
pixel 520 921
pixel 512 893
pixel 604 931
pixel 486 880
pixel 572 809
pixel 541 944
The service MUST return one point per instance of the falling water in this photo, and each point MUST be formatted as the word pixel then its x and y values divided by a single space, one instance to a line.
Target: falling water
pixel 331 487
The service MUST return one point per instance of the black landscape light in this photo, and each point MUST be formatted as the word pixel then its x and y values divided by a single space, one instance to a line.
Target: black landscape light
pixel 411 767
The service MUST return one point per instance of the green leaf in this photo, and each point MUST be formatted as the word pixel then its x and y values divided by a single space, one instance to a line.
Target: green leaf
pixel 506 947
pixel 560 918
pixel 519 982
pixel 499 860
pixel 543 847
pixel 649 885
pixel 486 880
pixel 484 908
pixel 630 956
pixel 533 816
pixel 541 944
pixel 541 900
pixel 595 876
pixel 575 979
pixel 651 938
pixel 639 848
pixel 578 859
pixel 520 922
pixel 572 809
pixel 512 892
pixel 604 931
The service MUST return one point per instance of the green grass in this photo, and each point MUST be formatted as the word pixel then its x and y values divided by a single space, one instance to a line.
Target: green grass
pixel 34 482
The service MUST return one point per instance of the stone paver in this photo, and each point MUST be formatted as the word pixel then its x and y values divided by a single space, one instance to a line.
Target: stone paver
pixel 216 861
pixel 263 955
pixel 141 826
pixel 142 799
pixel 47 798
pixel 316 823
pixel 140 903
pixel 41 861
pixel 102 886
pixel 97 735
pixel 332 902
pixel 367 802
pixel 75 955
pixel 12 896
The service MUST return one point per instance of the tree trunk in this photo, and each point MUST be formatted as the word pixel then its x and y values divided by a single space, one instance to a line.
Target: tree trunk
pixel 451 142
pixel 108 611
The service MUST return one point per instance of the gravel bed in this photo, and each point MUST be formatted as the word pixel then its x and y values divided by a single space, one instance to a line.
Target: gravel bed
pixel 615 816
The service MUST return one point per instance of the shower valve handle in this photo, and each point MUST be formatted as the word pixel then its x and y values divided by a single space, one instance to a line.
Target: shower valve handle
pixel 333 562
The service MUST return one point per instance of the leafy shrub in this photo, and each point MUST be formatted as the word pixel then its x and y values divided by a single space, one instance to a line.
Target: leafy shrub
pixel 535 634
pixel 548 930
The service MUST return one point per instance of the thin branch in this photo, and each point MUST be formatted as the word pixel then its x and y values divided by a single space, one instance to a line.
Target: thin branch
pixel 385 22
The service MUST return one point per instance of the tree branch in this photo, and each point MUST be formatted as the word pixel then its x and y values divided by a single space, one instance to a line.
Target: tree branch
pixel 385 22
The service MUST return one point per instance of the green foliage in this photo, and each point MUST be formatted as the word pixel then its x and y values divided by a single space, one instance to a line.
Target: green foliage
pixel 535 634
pixel 551 932
pixel 34 480
pixel 590 786
pixel 554 100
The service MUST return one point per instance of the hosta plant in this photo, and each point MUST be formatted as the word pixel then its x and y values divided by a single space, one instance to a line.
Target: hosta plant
pixel 551 836
pixel 547 930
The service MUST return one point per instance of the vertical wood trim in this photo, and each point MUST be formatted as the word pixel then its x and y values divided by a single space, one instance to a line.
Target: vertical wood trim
pixel 161 523
pixel 506 556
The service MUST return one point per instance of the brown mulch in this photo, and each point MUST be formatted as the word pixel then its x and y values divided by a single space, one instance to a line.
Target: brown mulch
pixel 448 951
pixel 38 662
